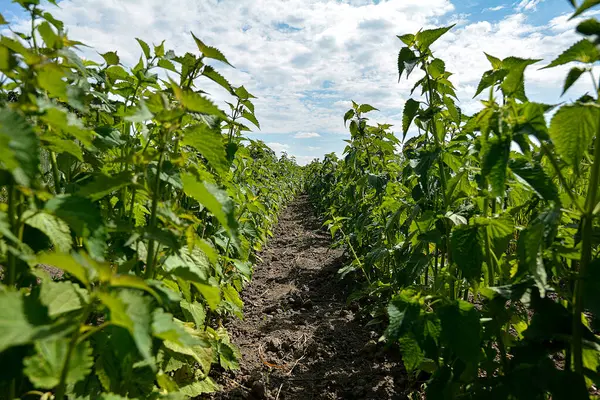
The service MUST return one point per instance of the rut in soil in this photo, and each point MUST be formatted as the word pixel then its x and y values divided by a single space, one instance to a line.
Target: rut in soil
pixel 299 338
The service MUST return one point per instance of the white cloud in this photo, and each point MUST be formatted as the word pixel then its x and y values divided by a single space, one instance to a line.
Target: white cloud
pixel 306 135
pixel 279 148
pixel 497 8
pixel 528 5
pixel 306 59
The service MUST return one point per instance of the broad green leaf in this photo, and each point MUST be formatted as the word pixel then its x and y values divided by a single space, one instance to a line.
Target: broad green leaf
pixel 201 354
pixel 212 294
pixel 587 4
pixel 407 60
pixel 62 297
pixel 250 117
pixel 193 389
pixel 365 108
pixel 195 102
pixel 84 218
pixel 496 62
pixel 194 312
pixel 590 288
pixel 572 129
pixel 166 64
pixel 103 185
pixel 466 247
pixel 243 94
pixel 461 329
pixel 145 48
pixel 213 198
pixel 44 368
pixel 213 75
pixel 513 82
pixel 583 51
pixel 67 263
pixel 133 282
pixel 436 68
pixel 427 37
pixel 500 231
pixel 159 50
pixel 21 318
pixel 59 146
pixel 572 77
pixel 412 355
pixel 209 142
pixel 402 314
pixel 210 52
pixel 530 254
pixel 2 20
pixel 50 77
pixel 411 107
pixel 50 37
pixel 349 115
pixel 535 176
pixel 452 109
pixel 140 114
pixel 19 145
pixel 55 228
pixel 111 58
pixel 496 153
pixel 589 27
pixel 488 79
pixel 165 327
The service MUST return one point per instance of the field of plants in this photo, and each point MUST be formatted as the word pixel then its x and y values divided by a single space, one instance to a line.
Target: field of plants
pixel 479 242
pixel 133 211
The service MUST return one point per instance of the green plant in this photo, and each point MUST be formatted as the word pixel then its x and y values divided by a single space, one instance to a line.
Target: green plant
pixel 131 208
pixel 479 240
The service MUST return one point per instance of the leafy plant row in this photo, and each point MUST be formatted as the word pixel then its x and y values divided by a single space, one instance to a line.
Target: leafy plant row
pixel 478 243
pixel 130 210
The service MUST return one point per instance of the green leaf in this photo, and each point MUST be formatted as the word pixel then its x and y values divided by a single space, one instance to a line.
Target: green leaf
pixel 572 77
pixel 111 58
pixel 84 218
pixel 436 68
pixel 62 297
pixel 159 50
pixel 67 263
pixel 407 60
pixel 349 115
pixel 194 312
pixel 250 117
pixel 461 329
pixel 411 107
pixel 572 129
pixel 589 27
pixel 145 48
pixel 166 64
pixel 490 78
pixel 427 37
pixel 214 199
pixel 365 108
pixel 19 145
pixel 496 62
pixel 210 52
pixel 412 355
pixel 591 281
pixel 496 153
pixel 466 246
pixel 2 20
pixel 133 282
pixel 587 4
pixel 514 80
pixel 530 255
pixel 44 368
pixel 140 114
pixel 103 185
pixel 535 176
pixel 50 37
pixel 243 94
pixel 20 319
pixel 207 385
pixel 50 78
pixel 209 142
pixel 452 109
pixel 195 102
pixel 55 228
pixel 213 75
pixel 583 51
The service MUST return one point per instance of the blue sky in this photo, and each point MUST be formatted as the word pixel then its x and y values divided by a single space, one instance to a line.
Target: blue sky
pixel 306 59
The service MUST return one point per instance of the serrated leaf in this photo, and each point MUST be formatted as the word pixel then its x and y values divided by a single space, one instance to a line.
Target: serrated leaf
pixel 496 62
pixel 466 245
pixel 213 198
pixel 412 355
pixel 50 37
pixel 535 176
pixel 194 311
pixel 2 20
pixel 514 80
pixel 427 37
pixel 166 64
pixel 349 115
pixel 103 185
pixel 56 229
pixel 133 282
pixel 530 254
pixel 452 109
pixel 411 107
pixel 145 48
pixel 44 368
pixel 207 385
pixel 572 77
pixel 20 319
pixel 209 142
pixel 210 52
pixel 19 145
pixel 583 51
pixel 195 102
pixel 572 129
pixel 250 117
pixel 407 60
pixel 50 78
pixel 111 58
pixel 365 108
pixel 61 297
pixel 213 75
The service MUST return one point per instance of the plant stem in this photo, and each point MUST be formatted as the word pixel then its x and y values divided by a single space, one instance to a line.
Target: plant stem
pixel 152 223
pixel 12 217
pixel 55 173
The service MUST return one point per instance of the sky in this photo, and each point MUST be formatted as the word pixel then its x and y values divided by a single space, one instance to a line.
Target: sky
pixel 306 60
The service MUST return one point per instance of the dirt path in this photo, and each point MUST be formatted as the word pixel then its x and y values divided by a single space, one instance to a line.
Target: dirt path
pixel 299 339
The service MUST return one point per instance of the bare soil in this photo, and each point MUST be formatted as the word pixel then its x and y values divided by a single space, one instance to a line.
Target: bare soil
pixel 299 338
